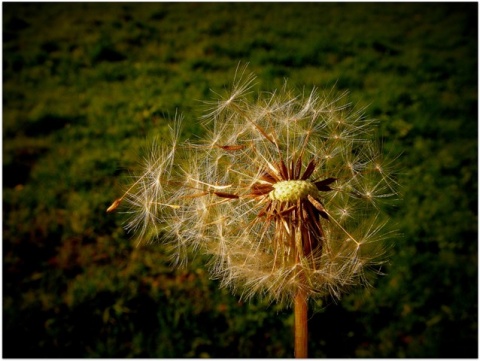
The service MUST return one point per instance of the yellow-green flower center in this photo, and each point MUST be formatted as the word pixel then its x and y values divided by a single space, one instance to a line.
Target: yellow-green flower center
pixel 292 190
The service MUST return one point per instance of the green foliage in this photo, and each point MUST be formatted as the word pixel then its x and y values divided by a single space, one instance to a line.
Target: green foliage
pixel 85 87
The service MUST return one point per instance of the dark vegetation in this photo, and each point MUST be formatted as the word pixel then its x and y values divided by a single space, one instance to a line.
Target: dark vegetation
pixel 87 86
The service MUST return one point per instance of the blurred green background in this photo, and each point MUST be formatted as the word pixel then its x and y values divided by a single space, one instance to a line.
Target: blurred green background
pixel 87 86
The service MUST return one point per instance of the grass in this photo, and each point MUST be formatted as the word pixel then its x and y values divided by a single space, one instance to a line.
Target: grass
pixel 87 86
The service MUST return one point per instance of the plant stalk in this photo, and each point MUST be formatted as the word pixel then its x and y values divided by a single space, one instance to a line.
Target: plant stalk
pixel 301 326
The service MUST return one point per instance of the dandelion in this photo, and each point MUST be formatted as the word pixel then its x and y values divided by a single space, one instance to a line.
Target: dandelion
pixel 283 193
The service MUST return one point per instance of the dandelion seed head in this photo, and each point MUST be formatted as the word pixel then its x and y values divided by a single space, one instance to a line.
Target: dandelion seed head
pixel 282 192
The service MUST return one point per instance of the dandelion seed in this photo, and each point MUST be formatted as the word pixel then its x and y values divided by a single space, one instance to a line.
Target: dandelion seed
pixel 114 205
